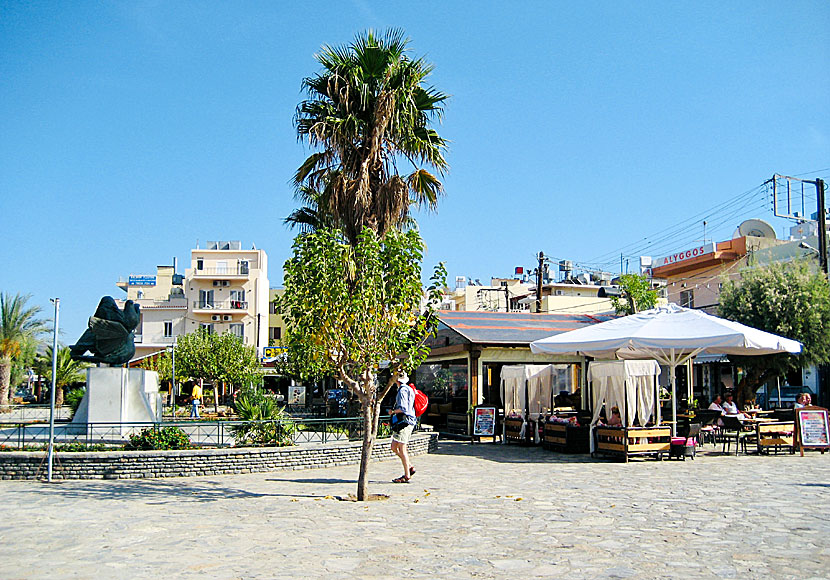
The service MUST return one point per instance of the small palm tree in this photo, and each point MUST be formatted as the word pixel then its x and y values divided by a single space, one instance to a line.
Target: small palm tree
pixel 367 112
pixel 67 371
pixel 18 324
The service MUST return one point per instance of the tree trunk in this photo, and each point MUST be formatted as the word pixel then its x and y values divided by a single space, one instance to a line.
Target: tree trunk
pixel 366 452
pixel 5 377
pixel 58 397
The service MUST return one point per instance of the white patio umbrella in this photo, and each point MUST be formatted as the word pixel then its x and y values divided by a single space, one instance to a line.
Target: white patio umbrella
pixel 670 334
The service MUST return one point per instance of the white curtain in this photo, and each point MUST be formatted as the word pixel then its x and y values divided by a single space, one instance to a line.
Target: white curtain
pixel 645 398
pixel 628 385
pixel 513 388
pixel 539 387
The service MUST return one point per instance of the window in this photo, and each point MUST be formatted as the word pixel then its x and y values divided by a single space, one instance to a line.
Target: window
pixel 238 330
pixel 275 333
pixel 273 307
pixel 207 327
pixel 200 264
pixel 687 298
pixel 238 299
pixel 205 298
pixel 168 329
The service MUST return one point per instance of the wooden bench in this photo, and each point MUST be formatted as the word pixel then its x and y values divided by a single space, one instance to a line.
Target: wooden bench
pixel 628 442
pixel 775 435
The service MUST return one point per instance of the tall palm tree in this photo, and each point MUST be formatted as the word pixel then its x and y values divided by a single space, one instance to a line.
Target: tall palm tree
pixel 368 111
pixel 67 371
pixel 18 324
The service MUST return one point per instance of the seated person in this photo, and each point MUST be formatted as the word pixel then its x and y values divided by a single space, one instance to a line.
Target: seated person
pixel 615 420
pixel 803 400
pixel 717 405
pixel 730 408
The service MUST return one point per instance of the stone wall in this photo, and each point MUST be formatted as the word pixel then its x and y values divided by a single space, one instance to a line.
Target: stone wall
pixel 194 462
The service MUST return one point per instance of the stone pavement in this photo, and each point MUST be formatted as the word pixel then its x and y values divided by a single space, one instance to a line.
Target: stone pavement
pixel 482 511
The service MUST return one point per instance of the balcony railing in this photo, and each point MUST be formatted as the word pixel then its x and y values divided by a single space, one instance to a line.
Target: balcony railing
pixel 237 270
pixel 220 305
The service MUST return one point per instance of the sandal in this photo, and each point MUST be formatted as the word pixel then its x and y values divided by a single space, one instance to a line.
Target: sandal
pixel 411 471
pixel 401 479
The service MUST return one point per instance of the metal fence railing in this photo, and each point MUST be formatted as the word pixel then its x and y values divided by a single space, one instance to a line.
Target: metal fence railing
pixel 32 413
pixel 23 435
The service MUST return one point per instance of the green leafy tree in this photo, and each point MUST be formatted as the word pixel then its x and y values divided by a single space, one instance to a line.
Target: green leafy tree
pixel 638 295
pixel 19 325
pixel 785 299
pixel 162 363
pixel 67 371
pixel 349 309
pixel 368 111
pixel 218 358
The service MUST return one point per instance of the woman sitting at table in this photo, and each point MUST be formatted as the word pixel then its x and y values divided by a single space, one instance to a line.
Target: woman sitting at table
pixel 730 408
pixel 615 420
pixel 717 405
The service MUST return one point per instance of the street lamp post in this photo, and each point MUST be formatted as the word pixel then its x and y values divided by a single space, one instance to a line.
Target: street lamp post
pixel 50 454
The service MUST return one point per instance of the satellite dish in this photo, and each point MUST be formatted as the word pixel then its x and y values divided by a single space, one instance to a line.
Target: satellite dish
pixel 756 228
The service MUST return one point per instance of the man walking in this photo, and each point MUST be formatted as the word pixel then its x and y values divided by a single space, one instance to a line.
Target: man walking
pixel 405 411
pixel 195 400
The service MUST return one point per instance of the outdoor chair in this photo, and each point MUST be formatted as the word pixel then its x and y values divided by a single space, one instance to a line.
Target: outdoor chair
pixel 685 443
pixel 733 428
pixel 709 428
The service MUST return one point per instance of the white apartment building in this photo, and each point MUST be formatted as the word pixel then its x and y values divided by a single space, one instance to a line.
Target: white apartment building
pixel 227 291
pixel 224 290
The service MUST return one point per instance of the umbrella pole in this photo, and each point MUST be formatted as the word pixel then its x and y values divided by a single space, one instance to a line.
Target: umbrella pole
pixel 673 394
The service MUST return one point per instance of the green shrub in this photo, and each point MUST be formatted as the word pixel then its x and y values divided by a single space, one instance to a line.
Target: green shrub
pixel 266 423
pixel 164 438
pixel 73 399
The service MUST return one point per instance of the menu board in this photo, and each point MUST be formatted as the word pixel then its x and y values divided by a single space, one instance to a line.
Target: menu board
pixel 812 427
pixel 484 421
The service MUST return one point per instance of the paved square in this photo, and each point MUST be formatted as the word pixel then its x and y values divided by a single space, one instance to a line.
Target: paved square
pixel 483 511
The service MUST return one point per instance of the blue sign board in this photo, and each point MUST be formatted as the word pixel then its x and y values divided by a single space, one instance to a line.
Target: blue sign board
pixel 142 281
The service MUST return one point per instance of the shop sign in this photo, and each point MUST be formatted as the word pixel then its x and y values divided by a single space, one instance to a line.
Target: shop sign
pixel 142 281
pixel 270 352
pixel 484 421
pixel 684 255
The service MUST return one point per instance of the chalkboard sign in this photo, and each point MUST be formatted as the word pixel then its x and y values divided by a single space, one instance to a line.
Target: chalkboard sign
pixel 484 421
pixel 812 428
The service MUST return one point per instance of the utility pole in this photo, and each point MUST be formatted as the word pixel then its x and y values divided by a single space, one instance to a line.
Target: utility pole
pixel 822 227
pixel 539 271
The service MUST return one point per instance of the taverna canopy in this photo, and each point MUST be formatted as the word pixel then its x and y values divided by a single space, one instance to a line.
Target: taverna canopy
pixel 670 334
pixel 665 333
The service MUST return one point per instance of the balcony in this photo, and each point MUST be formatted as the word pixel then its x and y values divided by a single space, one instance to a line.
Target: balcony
pixel 230 271
pixel 219 305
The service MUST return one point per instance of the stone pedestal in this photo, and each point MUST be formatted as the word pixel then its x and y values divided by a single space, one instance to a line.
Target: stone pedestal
pixel 120 395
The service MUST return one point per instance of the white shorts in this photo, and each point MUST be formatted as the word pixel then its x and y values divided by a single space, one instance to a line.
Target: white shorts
pixel 403 435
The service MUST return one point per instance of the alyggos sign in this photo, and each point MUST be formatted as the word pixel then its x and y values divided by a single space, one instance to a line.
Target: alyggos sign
pixel 686 255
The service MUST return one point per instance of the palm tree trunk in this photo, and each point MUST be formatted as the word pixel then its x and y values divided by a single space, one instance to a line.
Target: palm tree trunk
pixel 366 452
pixel 5 376
pixel 58 397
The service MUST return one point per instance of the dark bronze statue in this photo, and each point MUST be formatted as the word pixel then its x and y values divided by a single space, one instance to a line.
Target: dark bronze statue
pixel 110 337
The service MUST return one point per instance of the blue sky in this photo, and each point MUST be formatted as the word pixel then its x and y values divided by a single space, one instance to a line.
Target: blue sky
pixel 130 130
